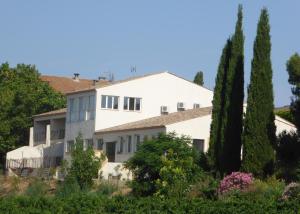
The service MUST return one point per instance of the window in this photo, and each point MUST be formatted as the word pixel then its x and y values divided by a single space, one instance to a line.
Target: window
pixel 81 109
pixel 198 144
pixel 146 137
pixel 129 143
pixel 100 144
pixel 109 102
pixel 132 103
pixel 121 145
pixel 196 105
pixel 91 107
pixel 73 109
pixel 137 141
pixel 70 145
pixel 88 144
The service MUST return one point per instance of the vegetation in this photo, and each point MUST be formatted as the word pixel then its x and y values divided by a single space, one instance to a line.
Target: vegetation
pixel 226 127
pixel 293 68
pixel 199 78
pixel 84 164
pixel 259 131
pixel 21 87
pixel 286 114
pixel 163 165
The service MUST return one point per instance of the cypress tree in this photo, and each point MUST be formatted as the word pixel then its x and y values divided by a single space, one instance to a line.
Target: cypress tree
pixel 199 78
pixel 259 130
pixel 232 123
pixel 226 126
pixel 218 108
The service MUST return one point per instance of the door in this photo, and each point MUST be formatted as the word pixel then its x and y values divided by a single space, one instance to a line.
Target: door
pixel 111 151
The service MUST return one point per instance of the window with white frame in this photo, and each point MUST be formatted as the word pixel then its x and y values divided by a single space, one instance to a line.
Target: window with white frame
pixel 198 144
pixel 129 143
pixel 109 102
pixel 100 144
pixel 69 145
pixel 73 109
pixel 81 109
pixel 132 103
pixel 88 144
pixel 121 145
pixel 137 139
pixel 90 107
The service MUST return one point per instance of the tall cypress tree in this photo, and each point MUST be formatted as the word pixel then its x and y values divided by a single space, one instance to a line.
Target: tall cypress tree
pixel 226 127
pixel 234 97
pixel 259 131
pixel 214 152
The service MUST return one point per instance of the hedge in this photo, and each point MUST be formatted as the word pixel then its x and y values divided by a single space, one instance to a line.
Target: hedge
pixel 89 203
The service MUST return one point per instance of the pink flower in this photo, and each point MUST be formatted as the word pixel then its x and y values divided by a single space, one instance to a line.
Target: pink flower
pixel 235 181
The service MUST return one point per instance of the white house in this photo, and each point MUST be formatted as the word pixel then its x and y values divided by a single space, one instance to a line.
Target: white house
pixel 115 117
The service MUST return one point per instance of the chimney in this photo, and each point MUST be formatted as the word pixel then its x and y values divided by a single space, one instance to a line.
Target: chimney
pixel 95 82
pixel 76 76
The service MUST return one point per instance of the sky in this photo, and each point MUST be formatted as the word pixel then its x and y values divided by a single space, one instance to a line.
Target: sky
pixel 182 37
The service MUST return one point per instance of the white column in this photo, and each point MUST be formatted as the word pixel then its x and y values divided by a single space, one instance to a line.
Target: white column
pixel 48 131
pixel 31 140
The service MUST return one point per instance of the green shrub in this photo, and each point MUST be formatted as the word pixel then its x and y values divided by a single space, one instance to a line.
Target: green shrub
pixel 163 164
pixel 106 188
pixel 68 187
pixel 37 188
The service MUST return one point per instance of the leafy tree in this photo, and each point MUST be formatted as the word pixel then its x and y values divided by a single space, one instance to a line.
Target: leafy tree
pixel 160 164
pixel 84 164
pixel 199 78
pixel 288 156
pixel 259 132
pixel 22 95
pixel 226 127
pixel 293 68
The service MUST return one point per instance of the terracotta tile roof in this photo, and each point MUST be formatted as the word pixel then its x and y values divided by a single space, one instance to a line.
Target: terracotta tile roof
pixel 160 121
pixel 55 112
pixel 66 85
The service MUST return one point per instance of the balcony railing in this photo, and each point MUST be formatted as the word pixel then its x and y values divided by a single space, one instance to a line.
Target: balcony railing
pixel 57 134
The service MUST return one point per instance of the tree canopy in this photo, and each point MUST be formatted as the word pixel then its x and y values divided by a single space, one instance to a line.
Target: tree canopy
pixel 22 95
pixel 259 134
pixel 199 78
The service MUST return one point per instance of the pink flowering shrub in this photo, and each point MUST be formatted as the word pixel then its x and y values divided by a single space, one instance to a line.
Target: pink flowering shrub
pixel 235 181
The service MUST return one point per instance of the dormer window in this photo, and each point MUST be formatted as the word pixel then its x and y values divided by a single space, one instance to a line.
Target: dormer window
pixel 132 103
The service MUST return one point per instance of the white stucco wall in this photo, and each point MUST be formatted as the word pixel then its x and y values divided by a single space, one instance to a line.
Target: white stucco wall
pixel 115 137
pixel 163 89
pixel 283 125
pixel 198 128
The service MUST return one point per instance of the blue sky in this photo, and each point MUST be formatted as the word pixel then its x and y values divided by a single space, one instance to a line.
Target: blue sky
pixel 92 37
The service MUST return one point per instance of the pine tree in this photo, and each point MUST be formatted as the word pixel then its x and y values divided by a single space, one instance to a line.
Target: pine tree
pixel 259 131
pixel 218 108
pixel 226 127
pixel 199 78
pixel 233 111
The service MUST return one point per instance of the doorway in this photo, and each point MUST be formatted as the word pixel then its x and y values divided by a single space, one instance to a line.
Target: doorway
pixel 111 151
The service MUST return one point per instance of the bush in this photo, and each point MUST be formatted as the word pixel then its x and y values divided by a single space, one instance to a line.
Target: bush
pixel 84 164
pixel 291 191
pixel 288 156
pixel 167 161
pixel 105 188
pixel 235 181
pixel 37 188
pixel 68 187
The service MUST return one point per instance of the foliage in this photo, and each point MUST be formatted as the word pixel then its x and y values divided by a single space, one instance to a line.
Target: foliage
pixel 235 181
pixel 205 187
pixel 288 156
pixel 154 164
pixel 291 191
pixel 293 68
pixel 226 127
pixel 68 187
pixel 37 188
pixel 84 164
pixel 106 188
pixel 89 203
pixel 259 134
pixel 286 114
pixel 22 95
pixel 199 78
